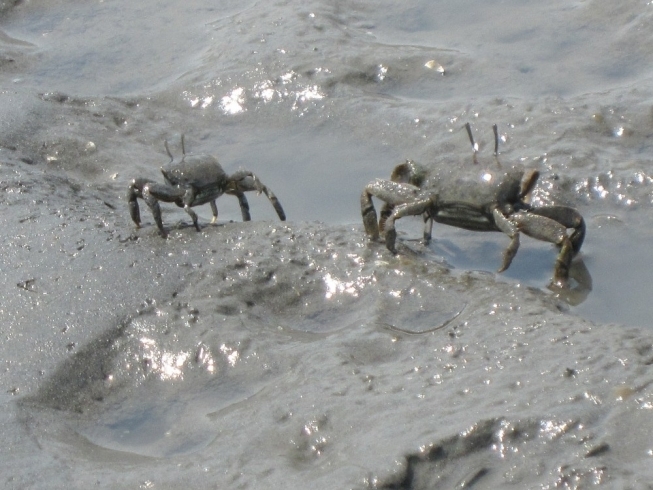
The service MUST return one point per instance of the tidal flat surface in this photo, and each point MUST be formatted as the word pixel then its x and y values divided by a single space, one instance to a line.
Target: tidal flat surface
pixel 268 354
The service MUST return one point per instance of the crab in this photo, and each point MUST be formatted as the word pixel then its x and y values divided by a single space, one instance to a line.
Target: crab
pixel 475 200
pixel 191 181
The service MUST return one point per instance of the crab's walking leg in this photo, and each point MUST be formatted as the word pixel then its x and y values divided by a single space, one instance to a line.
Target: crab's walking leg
pixel 428 227
pixel 214 210
pixel 392 193
pixel 569 218
pixel 385 213
pixel 244 207
pixel 152 193
pixel 245 181
pixel 367 209
pixel 135 192
pixel 187 199
pixel 414 208
pixel 550 224
pixel 510 228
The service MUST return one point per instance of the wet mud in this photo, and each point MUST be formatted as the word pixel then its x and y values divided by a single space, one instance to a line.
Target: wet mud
pixel 272 353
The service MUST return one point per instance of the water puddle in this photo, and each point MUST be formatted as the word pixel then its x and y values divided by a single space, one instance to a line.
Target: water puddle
pixel 618 255
pixel 611 280
pixel 160 424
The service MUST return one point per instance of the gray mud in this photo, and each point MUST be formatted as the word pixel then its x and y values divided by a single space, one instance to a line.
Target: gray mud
pixel 283 352
pixel 270 354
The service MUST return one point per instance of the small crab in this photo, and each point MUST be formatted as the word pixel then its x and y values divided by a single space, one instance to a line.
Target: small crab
pixel 194 180
pixel 477 201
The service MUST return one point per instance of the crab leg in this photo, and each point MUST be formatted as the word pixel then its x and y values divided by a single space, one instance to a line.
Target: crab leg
pixel 214 210
pixel 245 181
pixel 385 213
pixel 244 206
pixel 535 224
pixel 413 173
pixel 152 193
pixel 392 193
pixel 414 208
pixel 187 199
pixel 428 227
pixel 511 229
pixel 134 192
pixel 569 218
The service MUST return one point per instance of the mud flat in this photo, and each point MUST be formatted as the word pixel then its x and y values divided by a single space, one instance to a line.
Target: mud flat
pixel 269 353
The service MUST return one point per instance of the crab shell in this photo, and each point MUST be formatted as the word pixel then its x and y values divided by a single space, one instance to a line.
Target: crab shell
pixel 203 173
pixel 469 201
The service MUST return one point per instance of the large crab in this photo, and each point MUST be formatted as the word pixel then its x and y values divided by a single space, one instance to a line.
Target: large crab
pixel 191 181
pixel 475 199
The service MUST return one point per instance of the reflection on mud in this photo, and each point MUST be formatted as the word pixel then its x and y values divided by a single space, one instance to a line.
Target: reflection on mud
pixel 580 285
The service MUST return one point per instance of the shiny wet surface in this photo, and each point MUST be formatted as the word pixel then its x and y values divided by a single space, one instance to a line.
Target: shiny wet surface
pixel 269 353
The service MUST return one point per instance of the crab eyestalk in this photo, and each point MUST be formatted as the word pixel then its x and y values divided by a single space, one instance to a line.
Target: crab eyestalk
pixel 165 143
pixel 495 130
pixel 468 127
